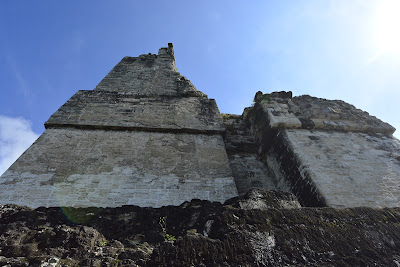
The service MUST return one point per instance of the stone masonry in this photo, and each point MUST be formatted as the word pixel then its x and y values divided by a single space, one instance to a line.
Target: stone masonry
pixel 248 171
pixel 146 136
pixel 330 153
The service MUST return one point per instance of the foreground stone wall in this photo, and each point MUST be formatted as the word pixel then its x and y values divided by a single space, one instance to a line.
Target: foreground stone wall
pixel 329 152
pixel 264 228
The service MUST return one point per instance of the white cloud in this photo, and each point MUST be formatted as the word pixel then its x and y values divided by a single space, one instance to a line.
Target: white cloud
pixel 16 136
pixel 22 84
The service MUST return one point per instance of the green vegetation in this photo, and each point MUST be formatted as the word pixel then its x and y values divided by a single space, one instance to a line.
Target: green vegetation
pixel 163 224
pixel 225 116
pixel 265 97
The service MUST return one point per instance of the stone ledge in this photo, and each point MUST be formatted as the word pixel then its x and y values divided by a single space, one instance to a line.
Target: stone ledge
pixel 308 112
pixel 109 110
pixel 134 129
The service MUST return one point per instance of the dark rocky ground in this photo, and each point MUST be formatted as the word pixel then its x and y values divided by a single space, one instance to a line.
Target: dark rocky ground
pixel 265 228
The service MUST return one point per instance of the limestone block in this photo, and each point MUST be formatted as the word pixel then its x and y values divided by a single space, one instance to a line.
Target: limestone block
pixel 283 120
pixel 279 115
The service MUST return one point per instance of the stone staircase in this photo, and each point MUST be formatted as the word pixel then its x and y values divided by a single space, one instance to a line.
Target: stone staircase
pixel 241 148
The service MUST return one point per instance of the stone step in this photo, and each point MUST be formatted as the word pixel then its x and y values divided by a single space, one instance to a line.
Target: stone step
pixel 249 173
pixel 238 138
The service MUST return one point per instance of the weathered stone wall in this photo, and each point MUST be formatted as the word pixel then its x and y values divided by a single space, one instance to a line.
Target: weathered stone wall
pixel 330 153
pixel 72 167
pixel 351 169
pixel 148 75
pixel 102 109
pixel 308 112
pixel 145 136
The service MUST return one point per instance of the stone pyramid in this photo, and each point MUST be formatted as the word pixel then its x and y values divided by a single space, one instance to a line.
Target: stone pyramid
pixel 144 136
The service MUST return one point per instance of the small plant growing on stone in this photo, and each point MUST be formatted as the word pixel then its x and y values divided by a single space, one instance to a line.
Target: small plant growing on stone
pixel 163 224
pixel 225 116
pixel 170 237
pixel 266 97
pixel 116 260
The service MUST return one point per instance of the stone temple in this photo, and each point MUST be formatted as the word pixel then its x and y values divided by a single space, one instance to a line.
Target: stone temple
pixel 146 136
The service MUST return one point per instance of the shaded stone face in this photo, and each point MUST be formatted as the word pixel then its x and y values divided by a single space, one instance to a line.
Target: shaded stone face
pixel 145 136
pixel 247 168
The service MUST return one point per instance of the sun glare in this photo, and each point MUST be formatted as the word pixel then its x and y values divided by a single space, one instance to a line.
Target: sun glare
pixel 388 26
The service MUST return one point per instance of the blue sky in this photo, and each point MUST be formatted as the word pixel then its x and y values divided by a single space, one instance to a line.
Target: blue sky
pixel 335 49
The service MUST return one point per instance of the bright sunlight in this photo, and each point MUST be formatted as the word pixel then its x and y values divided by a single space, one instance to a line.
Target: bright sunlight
pixel 387 32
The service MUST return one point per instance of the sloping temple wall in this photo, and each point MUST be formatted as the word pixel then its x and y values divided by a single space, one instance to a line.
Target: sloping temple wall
pixel 145 136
